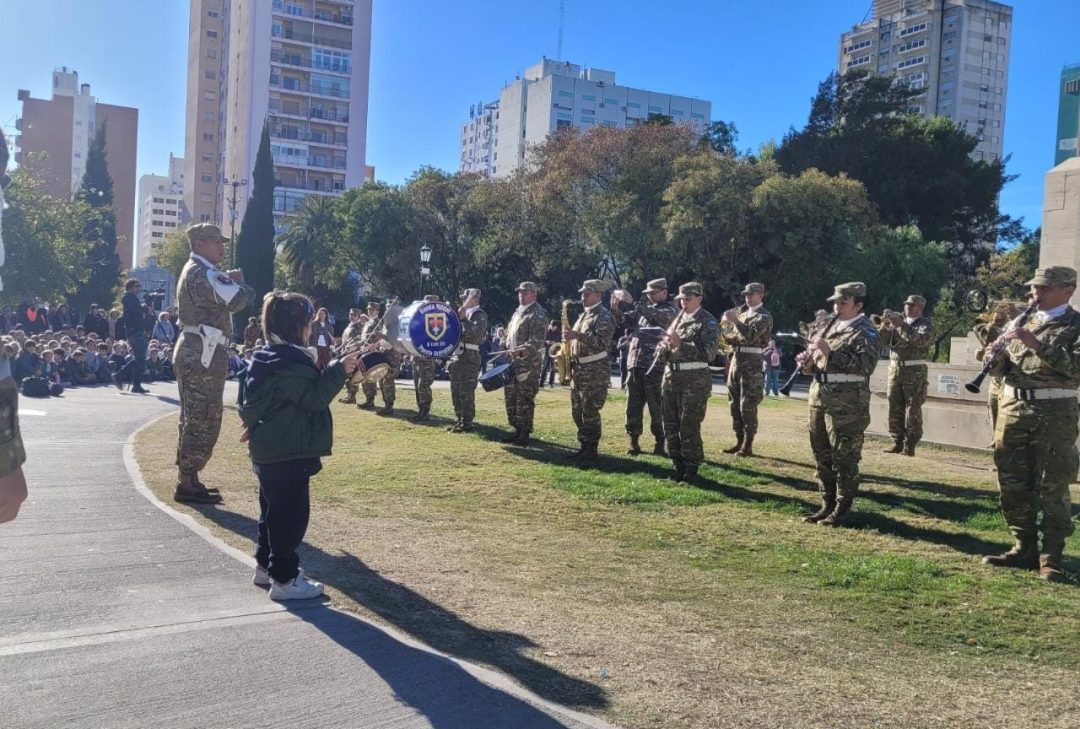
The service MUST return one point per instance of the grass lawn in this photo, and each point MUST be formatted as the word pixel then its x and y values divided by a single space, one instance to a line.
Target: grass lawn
pixel 653 604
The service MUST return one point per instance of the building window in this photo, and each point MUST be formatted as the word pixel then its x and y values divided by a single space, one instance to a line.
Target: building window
pixel 911 46
pixel 208 116
pixel 862 60
pixel 562 123
pixel 213 13
pixel 1072 87
pixel 912 29
pixel 911 62
pixel 210 75
pixel 205 217
pixel 588 97
pixel 858 46
pixel 211 34
pixel 211 52
pixel 208 158
pixel 207 137
pixel 209 95
pixel 206 178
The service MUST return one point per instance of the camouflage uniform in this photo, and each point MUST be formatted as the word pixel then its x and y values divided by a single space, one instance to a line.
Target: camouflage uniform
pixel 12 452
pixel 648 331
pixel 987 333
pixel 352 333
pixel 1035 439
pixel 465 365
pixel 526 329
pixel 840 408
pixel 687 385
pixel 423 371
pixel 590 367
pixel 746 377
pixel 205 300
pixel 386 385
pixel 910 347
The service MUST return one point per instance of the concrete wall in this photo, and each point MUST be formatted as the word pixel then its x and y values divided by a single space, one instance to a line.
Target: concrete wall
pixel 1061 218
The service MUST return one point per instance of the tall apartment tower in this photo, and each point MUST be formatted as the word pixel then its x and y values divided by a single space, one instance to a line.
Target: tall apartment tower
pixel 1068 127
pixel 161 209
pixel 299 67
pixel 955 51
pixel 556 94
pixel 54 138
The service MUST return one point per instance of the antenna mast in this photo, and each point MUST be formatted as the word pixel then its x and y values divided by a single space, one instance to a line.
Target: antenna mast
pixel 562 17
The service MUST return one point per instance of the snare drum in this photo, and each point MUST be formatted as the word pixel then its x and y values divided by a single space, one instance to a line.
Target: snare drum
pixel 428 329
pixel 497 377
pixel 373 367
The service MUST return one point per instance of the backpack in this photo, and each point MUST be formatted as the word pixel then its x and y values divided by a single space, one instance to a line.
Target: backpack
pixel 35 387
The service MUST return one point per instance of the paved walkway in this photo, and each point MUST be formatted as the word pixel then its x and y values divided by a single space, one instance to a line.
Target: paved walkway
pixel 115 614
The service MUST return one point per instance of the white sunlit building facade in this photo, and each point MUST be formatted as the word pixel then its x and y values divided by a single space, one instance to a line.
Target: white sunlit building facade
pixel 161 209
pixel 556 94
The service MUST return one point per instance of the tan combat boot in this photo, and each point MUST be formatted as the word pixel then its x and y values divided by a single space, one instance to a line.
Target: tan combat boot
pixel 828 503
pixel 189 490
pixel 1024 555
pixel 1051 562
pixel 839 515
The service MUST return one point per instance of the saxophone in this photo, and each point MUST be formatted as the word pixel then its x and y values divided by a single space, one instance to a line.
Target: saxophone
pixel 560 352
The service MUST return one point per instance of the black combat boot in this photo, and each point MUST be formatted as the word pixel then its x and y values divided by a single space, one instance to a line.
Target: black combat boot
pixel 635 447
pixel 1024 555
pixel 422 415
pixel 349 399
pixel 747 448
pixel 386 410
pixel 455 428
pixel 659 449
pixel 1051 561
pixel 738 444
pixel 690 477
pixel 511 437
pixel 368 404
pixel 680 471
pixel 137 388
pixel 588 453
pixel 840 514
pixel 897 447
pixel 522 439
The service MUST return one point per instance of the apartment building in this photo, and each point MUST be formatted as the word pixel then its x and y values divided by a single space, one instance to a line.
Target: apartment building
pixel 161 209
pixel 1068 126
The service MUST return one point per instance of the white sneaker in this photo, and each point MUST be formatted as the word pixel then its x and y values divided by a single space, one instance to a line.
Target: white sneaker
pixel 261 576
pixel 299 588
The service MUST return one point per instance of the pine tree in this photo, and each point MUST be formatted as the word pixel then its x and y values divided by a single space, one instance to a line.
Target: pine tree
pixel 255 242
pixel 100 281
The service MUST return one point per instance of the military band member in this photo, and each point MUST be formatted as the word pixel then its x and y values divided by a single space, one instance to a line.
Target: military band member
pixel 690 345
pixel 525 345
pixel 842 355
pixel 352 333
pixel 652 314
pixel 750 331
pixel 908 338
pixel 987 333
pixel 375 331
pixel 590 366
pixel 205 300
pixel 466 362
pixel 1035 439
pixel 423 369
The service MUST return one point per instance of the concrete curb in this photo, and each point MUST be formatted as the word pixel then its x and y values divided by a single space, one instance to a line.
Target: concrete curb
pixel 491 678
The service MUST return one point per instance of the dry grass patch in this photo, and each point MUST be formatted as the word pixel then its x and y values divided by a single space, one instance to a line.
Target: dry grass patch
pixel 616 591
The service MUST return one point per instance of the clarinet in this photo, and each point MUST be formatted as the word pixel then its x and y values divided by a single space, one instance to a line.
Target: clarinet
pixel 994 350
pixel 786 389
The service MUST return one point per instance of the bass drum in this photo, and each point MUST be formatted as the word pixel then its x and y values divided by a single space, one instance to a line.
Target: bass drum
pixel 373 366
pixel 428 329
pixel 497 377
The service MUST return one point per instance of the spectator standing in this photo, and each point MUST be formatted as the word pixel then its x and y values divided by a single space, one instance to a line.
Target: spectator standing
pixel 60 318
pixel 322 336
pixel 251 332
pixel 95 322
pixel 552 336
pixel 135 332
pixel 771 359
pixel 164 330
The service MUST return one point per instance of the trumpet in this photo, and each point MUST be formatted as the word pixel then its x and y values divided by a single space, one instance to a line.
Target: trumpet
pixel 884 319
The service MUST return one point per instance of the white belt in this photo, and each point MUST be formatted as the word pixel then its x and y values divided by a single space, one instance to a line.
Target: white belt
pixel 1038 393
pixel 911 362
pixel 680 366
pixel 828 377
pixel 472 347
pixel 749 350
pixel 211 339
pixel 592 358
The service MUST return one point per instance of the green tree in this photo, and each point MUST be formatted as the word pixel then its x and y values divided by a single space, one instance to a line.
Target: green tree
pixel 917 171
pixel 721 136
pixel 46 249
pixel 255 241
pixel 101 279
pixel 311 231
pixel 377 242
pixel 895 263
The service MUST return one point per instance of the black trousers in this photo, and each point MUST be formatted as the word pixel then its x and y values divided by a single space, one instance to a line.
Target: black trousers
pixel 284 510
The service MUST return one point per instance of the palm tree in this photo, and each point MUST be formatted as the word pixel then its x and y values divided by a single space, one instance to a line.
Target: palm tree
pixel 310 231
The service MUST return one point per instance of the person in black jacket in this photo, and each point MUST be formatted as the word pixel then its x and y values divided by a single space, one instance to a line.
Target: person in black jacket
pixel 134 320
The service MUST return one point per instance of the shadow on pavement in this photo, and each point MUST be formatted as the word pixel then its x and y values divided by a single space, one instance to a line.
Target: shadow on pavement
pixel 429 623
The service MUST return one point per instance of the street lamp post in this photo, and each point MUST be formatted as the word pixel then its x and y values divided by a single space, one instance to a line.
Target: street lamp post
pixel 425 258
pixel 236 184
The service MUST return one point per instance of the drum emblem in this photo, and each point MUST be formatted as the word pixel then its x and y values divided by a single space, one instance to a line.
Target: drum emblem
pixel 435 324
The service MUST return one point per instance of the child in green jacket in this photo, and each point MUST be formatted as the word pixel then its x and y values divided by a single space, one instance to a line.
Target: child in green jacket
pixel 285 407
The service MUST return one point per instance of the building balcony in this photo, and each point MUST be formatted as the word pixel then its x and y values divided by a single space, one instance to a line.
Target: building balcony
pixel 302 135
pixel 298 61
pixel 296 110
pixel 289 84
pixel 317 161
pixel 315 187
pixel 299 11
pixel 312 38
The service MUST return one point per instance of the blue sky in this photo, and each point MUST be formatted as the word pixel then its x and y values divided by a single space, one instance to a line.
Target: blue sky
pixel 758 62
